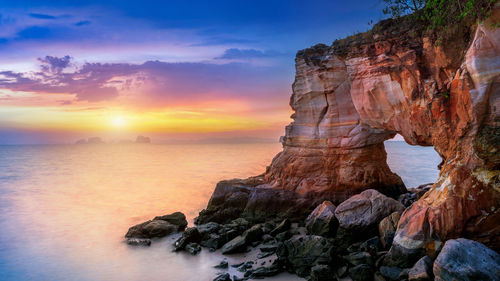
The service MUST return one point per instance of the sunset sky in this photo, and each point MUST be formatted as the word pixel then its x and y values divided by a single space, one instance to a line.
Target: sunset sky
pixel 173 71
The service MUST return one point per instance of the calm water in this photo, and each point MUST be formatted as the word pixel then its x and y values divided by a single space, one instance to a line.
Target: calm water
pixel 64 209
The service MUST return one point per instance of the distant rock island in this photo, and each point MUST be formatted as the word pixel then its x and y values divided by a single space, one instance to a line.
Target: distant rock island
pixel 98 140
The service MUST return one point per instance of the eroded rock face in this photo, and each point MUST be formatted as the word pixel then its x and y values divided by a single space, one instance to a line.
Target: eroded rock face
pixel 445 96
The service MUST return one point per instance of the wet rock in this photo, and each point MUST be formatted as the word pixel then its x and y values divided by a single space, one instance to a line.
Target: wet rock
pixel 422 270
pixel 463 259
pixel 193 248
pixel 177 218
pixel 283 226
pixel 223 277
pixel 267 238
pixel 362 272
pixel 322 220
pixel 285 235
pixel 213 242
pixel 151 229
pixel 159 226
pixel 265 271
pixel 371 245
pixel 364 211
pixel 208 228
pixel 190 235
pixel 390 273
pixel 321 272
pixel 237 245
pixel 251 199
pixel 253 234
pixel 300 253
pixel 359 258
pixel 222 265
pixel 138 242
pixel 387 229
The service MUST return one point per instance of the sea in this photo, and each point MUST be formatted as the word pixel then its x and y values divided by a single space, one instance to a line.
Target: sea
pixel 64 209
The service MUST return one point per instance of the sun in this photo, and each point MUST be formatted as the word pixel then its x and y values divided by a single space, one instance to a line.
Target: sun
pixel 118 122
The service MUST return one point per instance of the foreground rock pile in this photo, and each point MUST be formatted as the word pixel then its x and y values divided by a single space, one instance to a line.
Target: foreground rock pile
pixel 345 242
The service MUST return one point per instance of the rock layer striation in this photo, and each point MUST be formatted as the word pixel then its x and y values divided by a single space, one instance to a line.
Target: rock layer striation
pixel 348 102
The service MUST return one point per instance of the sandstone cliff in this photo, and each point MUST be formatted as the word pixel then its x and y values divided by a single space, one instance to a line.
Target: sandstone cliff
pixel 349 98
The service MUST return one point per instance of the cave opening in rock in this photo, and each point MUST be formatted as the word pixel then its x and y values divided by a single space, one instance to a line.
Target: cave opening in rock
pixel 416 165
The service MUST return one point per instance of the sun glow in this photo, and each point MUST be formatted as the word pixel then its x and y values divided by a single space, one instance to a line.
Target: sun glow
pixel 118 122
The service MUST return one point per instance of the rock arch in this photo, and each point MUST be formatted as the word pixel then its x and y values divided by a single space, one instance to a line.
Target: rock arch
pixel 448 97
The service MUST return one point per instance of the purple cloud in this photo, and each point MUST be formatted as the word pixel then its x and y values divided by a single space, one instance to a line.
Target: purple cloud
pixel 156 80
pixel 54 64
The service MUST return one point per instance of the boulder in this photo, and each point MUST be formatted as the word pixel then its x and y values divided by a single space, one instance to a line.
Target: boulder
pixel 191 235
pixel 222 265
pixel 283 226
pixel 463 259
pixel 159 226
pixel 387 229
pixel 300 253
pixel 390 273
pixel 193 248
pixel 151 229
pixel 322 220
pixel 359 258
pixel 365 210
pixel 422 270
pixel 321 272
pixel 238 244
pixel 252 199
pixel 362 272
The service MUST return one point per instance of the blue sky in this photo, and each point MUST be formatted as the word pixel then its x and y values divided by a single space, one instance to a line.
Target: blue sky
pixel 56 55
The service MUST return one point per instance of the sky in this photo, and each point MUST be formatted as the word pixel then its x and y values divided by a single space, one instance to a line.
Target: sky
pixel 171 70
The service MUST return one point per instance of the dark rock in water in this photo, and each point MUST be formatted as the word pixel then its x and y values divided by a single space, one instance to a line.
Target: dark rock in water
pixel 223 277
pixel 252 199
pixel 222 265
pixel 267 238
pixel 193 248
pixel 322 220
pixel 245 267
pixel 176 218
pixel 321 272
pixel 142 139
pixel 191 235
pixel 138 242
pixel 151 229
pixel 300 253
pixel 264 255
pixel 213 242
pixel 463 259
pixel 253 234
pixel 237 245
pixel 283 226
pixel 285 235
pixel 387 229
pixel 269 249
pixel 422 270
pixel 208 228
pixel 359 258
pixel 391 273
pixel 362 272
pixel 265 271
pixel 159 226
pixel 360 215
pixel 237 264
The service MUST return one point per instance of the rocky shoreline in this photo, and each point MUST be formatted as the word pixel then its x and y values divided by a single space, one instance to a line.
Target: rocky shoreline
pixel 312 239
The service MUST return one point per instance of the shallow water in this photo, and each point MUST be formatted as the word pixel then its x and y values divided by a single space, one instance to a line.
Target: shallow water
pixel 65 208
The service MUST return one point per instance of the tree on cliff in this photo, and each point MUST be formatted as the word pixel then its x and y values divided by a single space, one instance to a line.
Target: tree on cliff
pixel 440 13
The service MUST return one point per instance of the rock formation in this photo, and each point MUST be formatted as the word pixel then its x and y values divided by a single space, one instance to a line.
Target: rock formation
pixel 350 97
